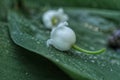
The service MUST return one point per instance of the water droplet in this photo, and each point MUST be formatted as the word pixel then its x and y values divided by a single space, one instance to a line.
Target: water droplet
pixel 111 69
pixel 7 51
pixel 92 48
pixel 86 24
pixel 38 42
pixel 94 57
pixel 14 32
pixel 90 57
pixel 85 60
pixel 78 52
pixel 96 29
pixel 8 41
pixel 102 41
pixel 114 61
pixel 93 61
pixel 26 73
pixel 21 39
pixel 102 64
pixel 32 38
pixel 33 28
pixel 57 60
pixel 21 33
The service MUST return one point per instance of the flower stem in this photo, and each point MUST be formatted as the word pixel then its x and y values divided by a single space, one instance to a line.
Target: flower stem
pixel 88 52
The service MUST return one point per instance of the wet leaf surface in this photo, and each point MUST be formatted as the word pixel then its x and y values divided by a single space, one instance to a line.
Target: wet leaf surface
pixel 91 27
pixel 17 63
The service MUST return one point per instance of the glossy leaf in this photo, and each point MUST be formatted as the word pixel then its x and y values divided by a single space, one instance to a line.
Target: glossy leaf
pixel 17 63
pixel 91 27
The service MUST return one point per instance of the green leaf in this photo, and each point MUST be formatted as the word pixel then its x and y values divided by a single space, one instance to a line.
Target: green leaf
pixel 16 63
pixel 100 4
pixel 91 27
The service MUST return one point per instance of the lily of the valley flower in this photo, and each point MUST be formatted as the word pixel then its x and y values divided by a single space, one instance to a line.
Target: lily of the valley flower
pixel 52 18
pixel 63 38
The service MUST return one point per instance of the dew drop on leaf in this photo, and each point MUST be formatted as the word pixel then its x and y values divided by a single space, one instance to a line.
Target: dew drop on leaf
pixel 111 69
pixel 57 60
pixel 93 61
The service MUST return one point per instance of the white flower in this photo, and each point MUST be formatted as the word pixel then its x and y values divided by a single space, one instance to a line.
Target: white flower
pixel 62 37
pixel 52 18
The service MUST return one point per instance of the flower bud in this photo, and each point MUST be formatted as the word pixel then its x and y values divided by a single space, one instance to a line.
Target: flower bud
pixel 62 37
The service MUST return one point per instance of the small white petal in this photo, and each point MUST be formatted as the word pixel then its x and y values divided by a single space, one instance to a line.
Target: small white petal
pixel 49 42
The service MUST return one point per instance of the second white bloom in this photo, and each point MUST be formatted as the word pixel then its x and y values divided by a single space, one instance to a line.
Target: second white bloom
pixel 52 18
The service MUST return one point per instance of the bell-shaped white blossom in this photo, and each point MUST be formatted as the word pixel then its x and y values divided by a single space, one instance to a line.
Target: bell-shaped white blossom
pixel 52 18
pixel 62 37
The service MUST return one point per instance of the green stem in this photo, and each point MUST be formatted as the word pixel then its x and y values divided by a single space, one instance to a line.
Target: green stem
pixel 88 52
